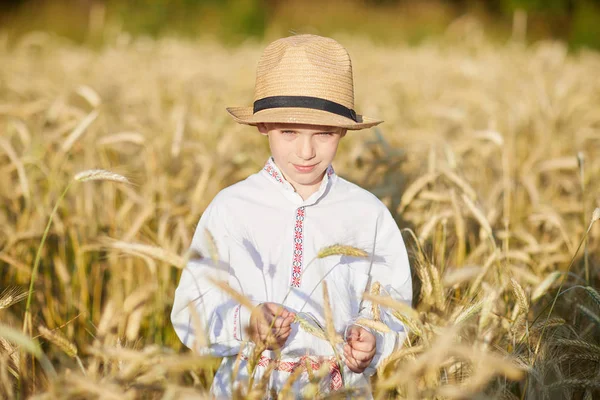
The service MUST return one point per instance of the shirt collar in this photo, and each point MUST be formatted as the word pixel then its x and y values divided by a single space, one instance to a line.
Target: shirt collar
pixel 274 174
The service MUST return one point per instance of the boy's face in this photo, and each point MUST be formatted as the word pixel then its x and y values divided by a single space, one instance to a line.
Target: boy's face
pixel 302 152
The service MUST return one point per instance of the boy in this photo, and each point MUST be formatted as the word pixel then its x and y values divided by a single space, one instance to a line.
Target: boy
pixel 269 228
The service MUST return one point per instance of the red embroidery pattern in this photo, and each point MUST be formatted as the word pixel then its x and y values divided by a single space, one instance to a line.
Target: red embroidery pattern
pixel 298 256
pixel 335 375
pixel 236 317
pixel 330 171
pixel 298 248
pixel 272 171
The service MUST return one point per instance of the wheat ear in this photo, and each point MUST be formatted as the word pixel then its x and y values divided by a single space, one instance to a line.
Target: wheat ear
pixel 376 325
pixel 342 250
pixel 58 340
pixel 308 328
pixel 11 296
pixel 375 291
pixel 100 175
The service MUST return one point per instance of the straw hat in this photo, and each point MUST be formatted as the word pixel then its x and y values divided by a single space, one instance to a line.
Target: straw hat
pixel 304 79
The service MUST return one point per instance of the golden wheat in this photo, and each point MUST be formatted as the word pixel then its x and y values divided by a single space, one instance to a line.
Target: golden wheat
pixel 497 196
pixel 100 175
pixel 58 340
pixel 10 296
pixel 341 250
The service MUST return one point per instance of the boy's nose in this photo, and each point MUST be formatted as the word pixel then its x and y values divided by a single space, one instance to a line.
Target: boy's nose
pixel 305 150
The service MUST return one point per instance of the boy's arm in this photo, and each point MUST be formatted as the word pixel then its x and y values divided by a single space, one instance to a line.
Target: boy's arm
pixel 390 267
pixel 198 303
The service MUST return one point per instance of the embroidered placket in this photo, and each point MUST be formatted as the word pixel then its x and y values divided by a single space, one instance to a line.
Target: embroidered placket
pixel 298 248
pixel 236 326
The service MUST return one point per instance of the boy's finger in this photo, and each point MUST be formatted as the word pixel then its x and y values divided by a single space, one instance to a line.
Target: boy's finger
pixel 282 332
pixel 352 336
pixel 348 352
pixel 266 318
pixel 353 365
pixel 290 318
pixel 276 309
pixel 264 330
pixel 348 357
pixel 284 313
pixel 283 322
pixel 362 357
pixel 362 346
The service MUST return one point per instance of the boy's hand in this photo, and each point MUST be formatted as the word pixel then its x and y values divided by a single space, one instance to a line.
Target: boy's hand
pixel 270 324
pixel 359 349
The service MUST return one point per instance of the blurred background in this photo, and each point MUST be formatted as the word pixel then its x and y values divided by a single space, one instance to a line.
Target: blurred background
pixel 577 22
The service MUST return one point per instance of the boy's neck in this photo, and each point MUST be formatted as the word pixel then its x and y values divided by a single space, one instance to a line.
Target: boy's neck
pixel 305 191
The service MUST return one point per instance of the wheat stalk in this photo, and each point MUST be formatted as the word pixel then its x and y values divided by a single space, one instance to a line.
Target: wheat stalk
pixel 309 328
pixel 411 191
pixel 375 310
pixel 388 301
pixel 581 344
pixel 376 325
pixel 341 250
pixel 593 294
pixel 577 383
pixel 10 296
pixel 79 130
pixel 284 393
pixel 520 295
pixel 155 252
pixel 81 177
pixel 122 137
pixel 328 314
pixel 212 246
pixel 12 155
pixel 330 329
pixel 100 175
pixel 58 340
pixel 592 315
pixel 29 345
pixel 234 294
pixel 596 214
pixel 461 183
pixel 401 311
pixel 12 352
pixel 467 312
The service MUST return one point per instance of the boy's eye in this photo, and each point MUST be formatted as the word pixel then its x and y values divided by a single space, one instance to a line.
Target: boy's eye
pixel 326 134
pixel 288 132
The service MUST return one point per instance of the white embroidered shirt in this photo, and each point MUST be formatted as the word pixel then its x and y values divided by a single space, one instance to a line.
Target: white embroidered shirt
pixel 267 238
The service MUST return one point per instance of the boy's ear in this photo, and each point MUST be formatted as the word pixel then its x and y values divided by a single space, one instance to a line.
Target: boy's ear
pixel 262 128
pixel 343 132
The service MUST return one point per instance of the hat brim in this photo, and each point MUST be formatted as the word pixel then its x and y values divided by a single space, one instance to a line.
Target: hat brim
pixel 308 116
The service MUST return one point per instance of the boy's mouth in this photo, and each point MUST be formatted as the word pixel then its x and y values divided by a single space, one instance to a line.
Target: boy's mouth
pixel 304 168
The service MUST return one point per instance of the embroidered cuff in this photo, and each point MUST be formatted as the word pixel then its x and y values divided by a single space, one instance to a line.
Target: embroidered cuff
pixel 241 321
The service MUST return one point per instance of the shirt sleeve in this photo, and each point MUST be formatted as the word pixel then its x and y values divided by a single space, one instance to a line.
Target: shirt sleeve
pixel 198 303
pixel 390 267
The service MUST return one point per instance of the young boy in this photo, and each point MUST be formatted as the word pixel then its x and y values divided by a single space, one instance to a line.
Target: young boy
pixel 269 228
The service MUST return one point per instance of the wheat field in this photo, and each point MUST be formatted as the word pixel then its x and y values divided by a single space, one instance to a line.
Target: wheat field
pixel 489 158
